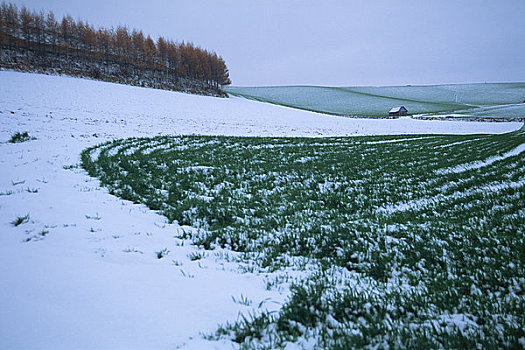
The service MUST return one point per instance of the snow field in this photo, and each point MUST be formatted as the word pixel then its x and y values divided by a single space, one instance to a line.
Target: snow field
pixel 83 270
pixel 481 100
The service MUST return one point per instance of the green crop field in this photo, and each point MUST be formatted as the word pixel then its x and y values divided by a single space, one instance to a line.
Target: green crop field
pixel 483 100
pixel 402 241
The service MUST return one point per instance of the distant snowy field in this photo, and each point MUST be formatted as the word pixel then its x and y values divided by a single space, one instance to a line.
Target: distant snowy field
pixel 499 100
pixel 83 272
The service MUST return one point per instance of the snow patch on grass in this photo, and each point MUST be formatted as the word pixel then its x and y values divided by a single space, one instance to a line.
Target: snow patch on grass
pixel 480 164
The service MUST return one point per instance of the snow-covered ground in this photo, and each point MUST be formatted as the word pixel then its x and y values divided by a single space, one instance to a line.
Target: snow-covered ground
pixel 83 271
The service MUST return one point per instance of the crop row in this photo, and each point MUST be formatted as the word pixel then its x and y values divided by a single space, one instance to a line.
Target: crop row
pixel 417 241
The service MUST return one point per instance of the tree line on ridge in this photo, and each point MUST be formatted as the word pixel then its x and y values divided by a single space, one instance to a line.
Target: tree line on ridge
pixel 38 41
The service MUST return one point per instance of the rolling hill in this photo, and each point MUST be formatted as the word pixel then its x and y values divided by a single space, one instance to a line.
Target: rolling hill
pixel 461 100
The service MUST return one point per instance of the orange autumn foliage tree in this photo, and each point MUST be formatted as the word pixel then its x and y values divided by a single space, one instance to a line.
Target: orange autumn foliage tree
pixel 37 41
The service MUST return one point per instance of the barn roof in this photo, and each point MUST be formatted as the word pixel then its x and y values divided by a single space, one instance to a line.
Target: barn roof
pixel 397 109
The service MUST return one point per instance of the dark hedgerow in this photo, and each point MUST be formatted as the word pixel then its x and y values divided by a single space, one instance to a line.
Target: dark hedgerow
pixel 417 240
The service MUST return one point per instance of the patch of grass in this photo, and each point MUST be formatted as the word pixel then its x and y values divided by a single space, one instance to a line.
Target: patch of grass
pixel 133 250
pixel 38 237
pixel 399 248
pixel 188 275
pixel 71 166
pixel 242 300
pixel 176 262
pixel 162 253
pixel 20 220
pixel 196 256
pixel 91 217
pixel 19 137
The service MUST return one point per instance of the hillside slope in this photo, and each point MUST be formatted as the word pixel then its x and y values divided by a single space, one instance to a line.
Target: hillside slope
pixel 497 99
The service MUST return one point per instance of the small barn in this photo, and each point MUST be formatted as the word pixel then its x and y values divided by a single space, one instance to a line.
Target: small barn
pixel 398 111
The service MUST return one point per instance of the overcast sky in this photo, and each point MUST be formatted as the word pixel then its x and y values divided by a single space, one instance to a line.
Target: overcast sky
pixel 332 42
